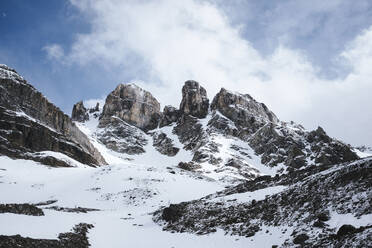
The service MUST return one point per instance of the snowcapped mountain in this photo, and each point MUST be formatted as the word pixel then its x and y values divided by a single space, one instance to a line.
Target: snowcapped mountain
pixel 229 171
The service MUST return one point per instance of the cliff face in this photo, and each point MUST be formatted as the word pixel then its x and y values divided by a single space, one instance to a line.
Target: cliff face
pixel 194 100
pixel 31 123
pixel 133 105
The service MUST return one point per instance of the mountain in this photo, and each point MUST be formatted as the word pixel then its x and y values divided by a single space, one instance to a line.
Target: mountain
pixel 221 173
pixel 30 125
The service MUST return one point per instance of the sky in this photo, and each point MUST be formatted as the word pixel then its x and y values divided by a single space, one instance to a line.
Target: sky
pixel 308 61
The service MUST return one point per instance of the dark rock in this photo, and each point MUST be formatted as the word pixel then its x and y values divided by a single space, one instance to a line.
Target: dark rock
pixel 164 145
pixel 172 213
pixel 324 216
pixel 194 100
pixel 243 110
pixel 300 239
pixel 133 105
pixel 190 166
pixel 121 137
pixel 345 230
pixel 30 123
pixel 77 238
pixel 170 115
pixel 79 112
pixel 95 109
pixel 24 208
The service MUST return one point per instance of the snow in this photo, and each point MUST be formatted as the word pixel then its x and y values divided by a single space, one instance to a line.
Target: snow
pixel 127 192
pixel 362 154
pixel 337 220
pixel 29 181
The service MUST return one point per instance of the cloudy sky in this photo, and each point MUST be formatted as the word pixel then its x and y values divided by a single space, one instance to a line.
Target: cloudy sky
pixel 309 61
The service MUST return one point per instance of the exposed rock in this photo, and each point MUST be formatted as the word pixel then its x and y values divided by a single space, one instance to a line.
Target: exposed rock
pixel 194 100
pixel 164 145
pixel 300 239
pixel 345 230
pixel 95 109
pixel 79 112
pixel 243 110
pixel 172 213
pixel 133 105
pixel 190 166
pixel 121 137
pixel 170 115
pixel 30 123
pixel 190 133
pixel 77 238
pixel 23 208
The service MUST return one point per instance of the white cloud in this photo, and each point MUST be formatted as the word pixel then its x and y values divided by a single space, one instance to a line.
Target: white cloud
pixel 173 41
pixel 54 51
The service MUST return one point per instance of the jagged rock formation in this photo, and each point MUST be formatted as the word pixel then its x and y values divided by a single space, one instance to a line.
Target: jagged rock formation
pixel 194 100
pixel 243 110
pixel 79 112
pixel 29 123
pixel 301 205
pixel 230 136
pixel 170 115
pixel 133 105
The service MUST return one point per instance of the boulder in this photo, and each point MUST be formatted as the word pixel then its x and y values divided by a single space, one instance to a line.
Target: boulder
pixel 133 105
pixel 194 100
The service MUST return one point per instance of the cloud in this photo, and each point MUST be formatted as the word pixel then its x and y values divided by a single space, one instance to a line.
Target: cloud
pixel 54 51
pixel 163 43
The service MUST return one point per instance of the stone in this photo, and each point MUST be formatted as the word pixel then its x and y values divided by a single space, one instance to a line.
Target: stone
pixel 345 230
pixel 300 239
pixel 79 112
pixel 172 213
pixel 29 123
pixel 133 105
pixel 164 144
pixel 243 110
pixel 194 100
pixel 170 115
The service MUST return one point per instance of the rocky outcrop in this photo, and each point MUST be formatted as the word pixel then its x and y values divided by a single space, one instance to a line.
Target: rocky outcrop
pixel 170 115
pixel 194 100
pixel 163 144
pixel 76 238
pixel 79 112
pixel 29 123
pixel 121 137
pixel 243 110
pixel 133 105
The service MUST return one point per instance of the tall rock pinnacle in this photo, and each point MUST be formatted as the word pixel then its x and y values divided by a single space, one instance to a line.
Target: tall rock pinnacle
pixel 194 100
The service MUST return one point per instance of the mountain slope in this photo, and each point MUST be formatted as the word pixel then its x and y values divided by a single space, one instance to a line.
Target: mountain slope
pixel 29 124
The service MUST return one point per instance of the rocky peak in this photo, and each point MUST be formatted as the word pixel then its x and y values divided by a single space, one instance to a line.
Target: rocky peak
pixel 79 112
pixel 194 100
pixel 133 105
pixel 29 123
pixel 243 110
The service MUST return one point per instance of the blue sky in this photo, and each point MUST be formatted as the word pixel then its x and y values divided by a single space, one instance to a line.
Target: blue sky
pixel 307 60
